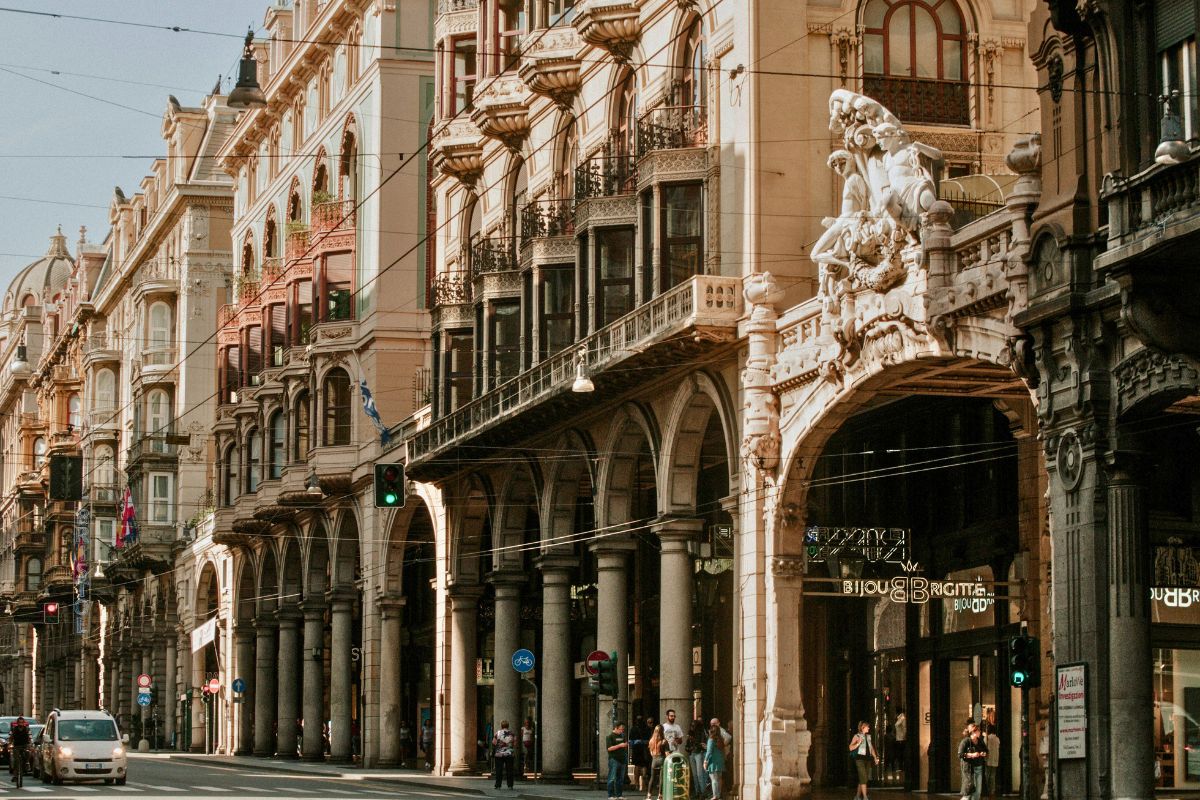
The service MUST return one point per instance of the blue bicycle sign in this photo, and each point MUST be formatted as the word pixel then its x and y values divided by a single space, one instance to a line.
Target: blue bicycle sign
pixel 523 661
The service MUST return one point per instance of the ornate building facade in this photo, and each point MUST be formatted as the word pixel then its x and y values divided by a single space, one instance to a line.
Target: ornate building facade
pixel 627 411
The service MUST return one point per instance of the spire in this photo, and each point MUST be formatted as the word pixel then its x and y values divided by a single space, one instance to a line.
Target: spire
pixel 58 245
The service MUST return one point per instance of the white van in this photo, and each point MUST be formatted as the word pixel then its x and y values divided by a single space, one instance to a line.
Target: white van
pixel 82 746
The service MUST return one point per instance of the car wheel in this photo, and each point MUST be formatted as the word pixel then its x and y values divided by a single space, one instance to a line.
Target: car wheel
pixel 121 781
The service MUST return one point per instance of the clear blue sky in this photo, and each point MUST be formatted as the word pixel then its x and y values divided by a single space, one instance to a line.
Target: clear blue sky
pixel 61 153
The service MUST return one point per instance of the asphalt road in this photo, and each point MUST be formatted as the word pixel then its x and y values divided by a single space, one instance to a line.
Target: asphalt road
pixel 163 778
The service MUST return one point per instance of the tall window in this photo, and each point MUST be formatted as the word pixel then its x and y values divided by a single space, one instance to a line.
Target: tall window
pixel 33 574
pixel 614 274
pixel 253 460
pixel 103 479
pixel 74 412
pixel 625 130
pixel 457 368
pixel 351 179
pixel 229 466
pixel 682 245
pixel 557 305
pixel 302 312
pixel 252 347
pixel 277 336
pixel 161 498
pixel 106 390
pixel 39 452
pixel 510 26
pixel 914 59
pixel 158 418
pixel 694 80
pixel 462 76
pixel 337 283
pixel 336 412
pixel 275 452
pixel 300 427
pixel 106 529
pixel 158 332
pixel 231 373
pixel 1175 41
pixel 505 339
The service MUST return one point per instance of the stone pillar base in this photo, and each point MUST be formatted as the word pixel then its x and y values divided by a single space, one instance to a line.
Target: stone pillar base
pixel 784 745
pixel 456 770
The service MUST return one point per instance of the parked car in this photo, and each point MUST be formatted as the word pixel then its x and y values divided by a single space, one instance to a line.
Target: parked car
pixel 35 751
pixel 81 746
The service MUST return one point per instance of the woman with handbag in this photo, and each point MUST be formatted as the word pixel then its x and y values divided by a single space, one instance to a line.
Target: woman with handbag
pixel 862 749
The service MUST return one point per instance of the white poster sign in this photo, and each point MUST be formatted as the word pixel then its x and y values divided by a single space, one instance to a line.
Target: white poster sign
pixel 204 634
pixel 1070 687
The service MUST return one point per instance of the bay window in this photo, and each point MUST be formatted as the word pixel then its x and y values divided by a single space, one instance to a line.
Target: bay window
pixel 337 283
pixel 682 245
pixel 302 312
pixel 557 306
pixel 275 451
pixel 614 274
pixel 253 449
pixel 336 409
pixel 161 498
pixel 458 359
pixel 300 426
pixel 504 340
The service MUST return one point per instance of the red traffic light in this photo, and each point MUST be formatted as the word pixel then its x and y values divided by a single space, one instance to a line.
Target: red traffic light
pixel 391 472
pixel 51 608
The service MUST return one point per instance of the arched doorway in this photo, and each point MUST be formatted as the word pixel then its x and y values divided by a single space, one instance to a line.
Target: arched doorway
pixel 207 713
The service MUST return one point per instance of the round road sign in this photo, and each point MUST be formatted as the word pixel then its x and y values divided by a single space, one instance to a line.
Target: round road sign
pixel 523 661
pixel 144 681
pixel 214 686
pixel 239 685
pixel 594 658
pixel 143 700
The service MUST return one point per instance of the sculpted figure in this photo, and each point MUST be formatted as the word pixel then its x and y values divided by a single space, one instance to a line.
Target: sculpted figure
pixel 910 191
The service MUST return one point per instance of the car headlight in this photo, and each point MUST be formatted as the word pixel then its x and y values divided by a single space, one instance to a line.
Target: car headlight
pixel 118 751
pixel 65 751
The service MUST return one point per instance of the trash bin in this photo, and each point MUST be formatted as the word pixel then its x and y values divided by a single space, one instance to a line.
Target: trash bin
pixel 677 777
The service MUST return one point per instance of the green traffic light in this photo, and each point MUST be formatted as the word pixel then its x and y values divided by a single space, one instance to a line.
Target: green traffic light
pixel 390 498
pixel 1018 679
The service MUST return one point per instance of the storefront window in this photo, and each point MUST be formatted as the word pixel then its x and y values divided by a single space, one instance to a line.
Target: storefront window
pixel 1177 718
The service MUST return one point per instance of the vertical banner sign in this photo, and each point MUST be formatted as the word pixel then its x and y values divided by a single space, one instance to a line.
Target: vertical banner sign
pixel 83 522
pixel 1070 687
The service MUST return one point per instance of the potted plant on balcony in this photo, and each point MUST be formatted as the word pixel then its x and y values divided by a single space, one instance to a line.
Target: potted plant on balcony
pixel 320 196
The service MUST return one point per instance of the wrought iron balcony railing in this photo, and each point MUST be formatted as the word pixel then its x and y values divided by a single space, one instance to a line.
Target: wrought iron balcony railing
pixel 492 254
pixel 605 176
pixel 542 218
pixel 336 215
pixel 452 288
pixel 671 128
pixel 921 100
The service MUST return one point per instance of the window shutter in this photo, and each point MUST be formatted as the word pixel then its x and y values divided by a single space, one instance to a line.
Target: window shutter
pixel 1174 21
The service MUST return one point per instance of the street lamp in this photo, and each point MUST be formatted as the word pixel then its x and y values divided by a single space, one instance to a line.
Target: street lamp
pixel 1172 149
pixel 247 94
pixel 583 384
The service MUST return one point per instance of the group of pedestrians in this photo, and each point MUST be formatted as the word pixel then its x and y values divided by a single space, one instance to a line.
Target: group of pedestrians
pixel 978 758
pixel 648 747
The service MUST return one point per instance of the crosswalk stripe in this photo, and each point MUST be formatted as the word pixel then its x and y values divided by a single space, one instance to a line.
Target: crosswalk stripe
pixel 212 789
pixel 339 791
pixel 127 788
pixel 300 791
pixel 84 789
pixel 38 789
pixel 164 788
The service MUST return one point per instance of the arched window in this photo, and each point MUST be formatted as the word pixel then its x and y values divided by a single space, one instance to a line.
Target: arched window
pixel 914 59
pixel 275 452
pixel 336 410
pixel 33 574
pixel 300 427
pixel 230 472
pixel 39 452
pixel 106 390
pixel 105 473
pixel 321 183
pixel 270 237
pixel 159 327
pixel 253 460
pixel 625 129
pixel 248 258
pixel 158 419
pixel 295 207
pixel 351 183
pixel 570 157
pixel 74 412
pixel 693 82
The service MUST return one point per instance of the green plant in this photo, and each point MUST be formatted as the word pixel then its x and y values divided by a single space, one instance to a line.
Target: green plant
pixel 295 226
pixel 322 196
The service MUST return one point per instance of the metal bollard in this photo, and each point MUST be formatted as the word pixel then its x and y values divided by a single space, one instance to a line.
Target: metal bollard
pixel 677 777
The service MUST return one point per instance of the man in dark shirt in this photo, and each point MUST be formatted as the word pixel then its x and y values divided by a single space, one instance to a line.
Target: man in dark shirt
pixel 972 752
pixel 618 758
pixel 18 746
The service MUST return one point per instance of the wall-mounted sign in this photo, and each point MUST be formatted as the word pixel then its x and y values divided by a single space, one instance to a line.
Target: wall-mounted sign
pixel 485 672
pixel 969 595
pixel 1070 687
pixel 204 634
pixel 872 544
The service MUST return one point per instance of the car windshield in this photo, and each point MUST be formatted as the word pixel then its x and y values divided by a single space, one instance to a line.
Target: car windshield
pixel 87 730
pixel 5 726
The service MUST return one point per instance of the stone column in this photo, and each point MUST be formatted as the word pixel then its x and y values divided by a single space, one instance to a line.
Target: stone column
pixel 675 616
pixel 555 734
pixel 263 684
pixel 168 699
pixel 313 746
pixel 1130 667
pixel 244 638
pixel 27 683
pixel 464 608
pixel 122 690
pixel 200 709
pixel 783 731
pixel 506 695
pixel 612 624
pixel 341 684
pixel 91 678
pixel 288 677
pixel 391 609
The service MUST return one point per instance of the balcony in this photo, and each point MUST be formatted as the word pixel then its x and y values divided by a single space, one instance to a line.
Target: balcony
pixel 337 215
pixel 612 26
pixel 296 245
pixel 1158 205
pixel 921 100
pixel 157 277
pixel 223 532
pixel 157 365
pixel 159 446
pixel 30 534
pixel 605 176
pixel 57 580
pixel 502 111
pixel 546 218
pixel 676 327
pixel 457 150
pixel 452 289
pixel 150 549
pixel 455 17
pixel 492 254
pixel 334 467
pixel 101 348
pixel 104 493
pixel 672 128
pixel 550 65
pixel 104 422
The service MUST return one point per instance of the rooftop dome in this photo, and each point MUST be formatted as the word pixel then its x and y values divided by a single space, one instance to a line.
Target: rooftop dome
pixel 43 278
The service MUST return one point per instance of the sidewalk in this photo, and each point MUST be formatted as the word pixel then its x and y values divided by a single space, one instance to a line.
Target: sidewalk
pixel 409 777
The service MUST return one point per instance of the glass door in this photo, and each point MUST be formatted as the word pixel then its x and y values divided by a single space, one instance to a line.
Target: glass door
pixel 971 690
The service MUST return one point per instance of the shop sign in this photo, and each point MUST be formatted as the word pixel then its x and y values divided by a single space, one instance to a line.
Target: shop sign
pixel 973 596
pixel 872 544
pixel 1070 688
pixel 1176 565
pixel 485 672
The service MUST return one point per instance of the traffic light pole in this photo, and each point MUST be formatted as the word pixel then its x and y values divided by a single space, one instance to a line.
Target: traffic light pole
pixel 1025 789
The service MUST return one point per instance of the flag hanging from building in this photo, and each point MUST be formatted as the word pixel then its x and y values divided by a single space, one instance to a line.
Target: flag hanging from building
pixel 127 530
pixel 373 412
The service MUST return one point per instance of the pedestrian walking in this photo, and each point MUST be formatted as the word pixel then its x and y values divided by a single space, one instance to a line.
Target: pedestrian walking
pixel 714 759
pixel 639 752
pixel 972 757
pixel 502 753
pixel 672 732
pixel 618 760
pixel 405 736
pixel 993 762
pixel 427 742
pixel 527 764
pixel 18 749
pixel 863 751
pixel 697 746
pixel 658 754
